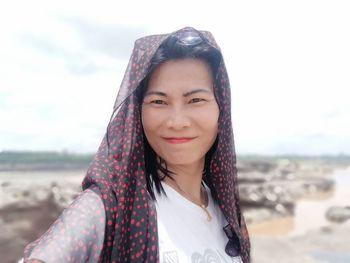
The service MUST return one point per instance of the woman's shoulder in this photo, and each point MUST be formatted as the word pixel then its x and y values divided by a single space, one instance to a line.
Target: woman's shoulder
pixel 90 198
pixel 78 233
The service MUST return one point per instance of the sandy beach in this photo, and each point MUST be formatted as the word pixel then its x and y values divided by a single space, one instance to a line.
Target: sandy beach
pixel 305 236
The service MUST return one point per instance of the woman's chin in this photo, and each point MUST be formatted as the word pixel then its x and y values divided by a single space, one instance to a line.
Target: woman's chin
pixel 184 160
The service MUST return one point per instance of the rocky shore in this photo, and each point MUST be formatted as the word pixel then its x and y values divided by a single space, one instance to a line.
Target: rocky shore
pixel 325 245
pixel 269 189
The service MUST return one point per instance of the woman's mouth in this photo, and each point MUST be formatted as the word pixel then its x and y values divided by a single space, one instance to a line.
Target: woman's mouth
pixel 176 140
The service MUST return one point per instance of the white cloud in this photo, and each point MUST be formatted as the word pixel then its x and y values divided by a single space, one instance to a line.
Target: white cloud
pixel 62 64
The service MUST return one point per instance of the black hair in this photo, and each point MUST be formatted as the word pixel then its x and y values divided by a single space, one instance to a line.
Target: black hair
pixel 170 49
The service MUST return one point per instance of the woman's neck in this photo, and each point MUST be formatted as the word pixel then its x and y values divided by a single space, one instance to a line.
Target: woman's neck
pixel 188 178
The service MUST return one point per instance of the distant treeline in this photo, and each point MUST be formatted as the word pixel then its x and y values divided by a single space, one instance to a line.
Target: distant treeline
pixel 25 160
pixel 32 160
pixel 297 157
pixel 29 157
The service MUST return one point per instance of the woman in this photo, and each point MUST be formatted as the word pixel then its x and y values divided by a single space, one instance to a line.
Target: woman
pixel 163 184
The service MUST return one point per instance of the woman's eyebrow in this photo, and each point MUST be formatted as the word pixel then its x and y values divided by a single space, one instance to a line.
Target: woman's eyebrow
pixel 148 93
pixel 189 93
pixel 195 91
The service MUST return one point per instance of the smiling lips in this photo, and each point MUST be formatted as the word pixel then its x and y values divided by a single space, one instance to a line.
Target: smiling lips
pixel 176 140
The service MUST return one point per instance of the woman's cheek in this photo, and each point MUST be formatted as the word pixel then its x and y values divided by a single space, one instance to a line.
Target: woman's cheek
pixel 209 115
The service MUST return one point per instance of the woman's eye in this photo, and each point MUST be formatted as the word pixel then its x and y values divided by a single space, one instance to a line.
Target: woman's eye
pixel 195 100
pixel 158 102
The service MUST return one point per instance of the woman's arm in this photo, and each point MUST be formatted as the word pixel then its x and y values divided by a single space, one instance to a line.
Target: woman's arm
pixel 77 235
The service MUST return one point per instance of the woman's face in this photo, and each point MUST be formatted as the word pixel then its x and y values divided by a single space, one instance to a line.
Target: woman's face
pixel 179 111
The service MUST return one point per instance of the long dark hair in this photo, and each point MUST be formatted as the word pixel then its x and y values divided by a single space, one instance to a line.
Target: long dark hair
pixel 170 49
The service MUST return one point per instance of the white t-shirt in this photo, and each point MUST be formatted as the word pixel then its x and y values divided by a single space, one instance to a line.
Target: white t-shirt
pixel 185 234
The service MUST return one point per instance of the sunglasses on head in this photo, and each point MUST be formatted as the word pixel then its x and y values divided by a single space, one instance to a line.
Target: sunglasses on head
pixel 189 37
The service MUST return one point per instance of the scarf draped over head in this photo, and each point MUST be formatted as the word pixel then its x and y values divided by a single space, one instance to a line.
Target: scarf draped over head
pixel 118 168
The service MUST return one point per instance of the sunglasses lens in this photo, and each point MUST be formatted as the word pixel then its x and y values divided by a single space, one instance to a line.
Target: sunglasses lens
pixel 231 250
pixel 231 246
pixel 189 38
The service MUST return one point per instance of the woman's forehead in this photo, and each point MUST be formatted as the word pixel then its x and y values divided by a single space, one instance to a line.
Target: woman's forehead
pixel 194 73
pixel 181 76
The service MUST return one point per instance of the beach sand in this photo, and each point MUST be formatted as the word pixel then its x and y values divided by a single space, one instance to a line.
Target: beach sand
pixel 272 241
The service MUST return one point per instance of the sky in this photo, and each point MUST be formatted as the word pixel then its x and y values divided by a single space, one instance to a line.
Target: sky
pixel 288 62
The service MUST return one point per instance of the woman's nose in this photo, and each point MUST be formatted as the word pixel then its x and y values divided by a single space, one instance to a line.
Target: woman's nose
pixel 178 119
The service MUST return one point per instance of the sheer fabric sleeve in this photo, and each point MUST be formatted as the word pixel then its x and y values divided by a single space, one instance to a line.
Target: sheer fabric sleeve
pixel 76 236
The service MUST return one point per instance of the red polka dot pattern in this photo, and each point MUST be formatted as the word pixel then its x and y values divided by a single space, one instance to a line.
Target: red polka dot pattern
pixel 76 236
pixel 131 220
pixel 131 231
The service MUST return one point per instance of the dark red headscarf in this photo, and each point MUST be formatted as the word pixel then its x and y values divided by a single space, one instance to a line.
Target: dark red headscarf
pixel 118 168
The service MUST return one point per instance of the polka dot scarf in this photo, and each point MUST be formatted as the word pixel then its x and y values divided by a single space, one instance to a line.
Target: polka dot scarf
pixel 118 168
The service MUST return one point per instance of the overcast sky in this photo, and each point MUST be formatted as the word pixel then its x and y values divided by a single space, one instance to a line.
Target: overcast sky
pixel 288 63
